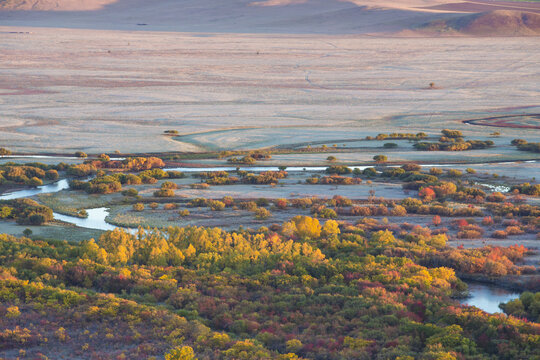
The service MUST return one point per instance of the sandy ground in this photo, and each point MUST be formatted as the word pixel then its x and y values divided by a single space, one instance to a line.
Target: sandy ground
pixel 65 90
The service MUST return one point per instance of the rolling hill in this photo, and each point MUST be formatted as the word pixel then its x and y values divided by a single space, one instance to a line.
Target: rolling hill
pixel 278 16
pixel 492 23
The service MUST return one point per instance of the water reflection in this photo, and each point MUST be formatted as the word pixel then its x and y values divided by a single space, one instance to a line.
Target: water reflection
pixel 311 168
pixel 45 189
pixel 488 297
pixel 95 220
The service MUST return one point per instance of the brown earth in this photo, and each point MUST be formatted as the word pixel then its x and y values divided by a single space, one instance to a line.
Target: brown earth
pixel 484 6
pixel 491 23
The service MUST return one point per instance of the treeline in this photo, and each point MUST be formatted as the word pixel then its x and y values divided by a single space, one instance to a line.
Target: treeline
pixel 106 184
pixel 527 306
pixel 250 158
pixel 31 174
pixel 303 289
pixel 223 177
pixel 91 167
pixel 128 164
pixel 398 136
pixel 454 146
pixel 452 140
pixel 25 211
pixel 333 180
pixel 523 145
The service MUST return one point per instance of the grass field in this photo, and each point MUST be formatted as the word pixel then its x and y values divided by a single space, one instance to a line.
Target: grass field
pixel 80 89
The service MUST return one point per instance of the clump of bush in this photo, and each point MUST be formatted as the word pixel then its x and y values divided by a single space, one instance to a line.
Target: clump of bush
pixel 184 212
pixel 523 145
pixel 262 213
pixel 215 205
pixel 164 193
pixel 25 211
pixel 452 140
pixel 4 151
pixel 323 212
pixel 338 169
pixel 499 234
pixel 470 232
pixel 527 189
pixel 99 185
pixel 130 192
pixel 333 180
pixel 380 158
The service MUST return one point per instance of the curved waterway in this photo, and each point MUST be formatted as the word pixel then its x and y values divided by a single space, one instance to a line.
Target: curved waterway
pixel 95 220
pixel 96 217
pixel 488 297
pixel 59 157
pixel 316 168
pixel 485 297
pixel 45 189
pixel 40 157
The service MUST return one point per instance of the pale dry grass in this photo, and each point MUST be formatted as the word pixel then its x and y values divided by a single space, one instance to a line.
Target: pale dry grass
pixel 96 91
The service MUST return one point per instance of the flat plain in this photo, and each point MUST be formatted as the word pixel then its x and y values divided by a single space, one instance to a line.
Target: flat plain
pixel 99 91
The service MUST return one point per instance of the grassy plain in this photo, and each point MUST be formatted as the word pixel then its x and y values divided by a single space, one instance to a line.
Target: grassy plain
pixel 81 89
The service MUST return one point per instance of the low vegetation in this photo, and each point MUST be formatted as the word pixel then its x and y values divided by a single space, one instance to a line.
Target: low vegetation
pixel 298 277
pixel 205 292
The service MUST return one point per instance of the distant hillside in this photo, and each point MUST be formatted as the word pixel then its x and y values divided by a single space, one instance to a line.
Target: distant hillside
pixel 492 23
pixel 233 16
pixel 53 5
pixel 406 17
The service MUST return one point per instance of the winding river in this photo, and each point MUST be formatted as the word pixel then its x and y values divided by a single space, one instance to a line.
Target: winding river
pixel 485 297
pixel 45 189
pixel 95 220
pixel 96 217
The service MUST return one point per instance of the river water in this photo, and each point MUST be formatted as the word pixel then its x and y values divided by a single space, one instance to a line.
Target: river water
pixel 51 188
pixel 485 297
pixel 309 168
pixel 95 220
pixel 488 297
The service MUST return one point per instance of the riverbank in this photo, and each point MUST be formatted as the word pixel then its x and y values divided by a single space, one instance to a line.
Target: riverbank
pixel 515 283
pixel 488 297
